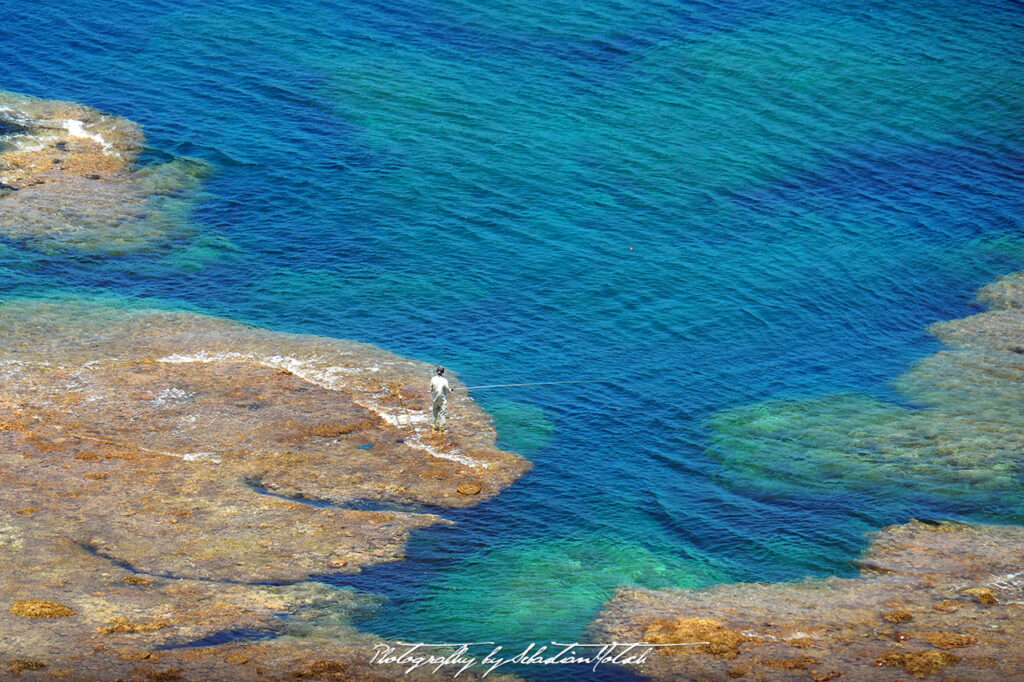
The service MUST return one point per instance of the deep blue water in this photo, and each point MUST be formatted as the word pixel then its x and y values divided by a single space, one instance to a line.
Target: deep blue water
pixel 708 204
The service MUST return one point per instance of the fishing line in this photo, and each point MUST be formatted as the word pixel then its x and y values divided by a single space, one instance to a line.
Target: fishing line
pixel 534 383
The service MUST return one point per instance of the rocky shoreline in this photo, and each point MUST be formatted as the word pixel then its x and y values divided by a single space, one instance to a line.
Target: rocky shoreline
pixel 70 180
pixel 943 599
pixel 932 599
pixel 173 483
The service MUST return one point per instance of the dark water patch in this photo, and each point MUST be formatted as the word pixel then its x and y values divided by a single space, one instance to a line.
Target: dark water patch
pixel 915 186
pixel 222 637
pixel 361 504
pixel 9 127
pixel 391 579
pixel 256 485
pixel 128 566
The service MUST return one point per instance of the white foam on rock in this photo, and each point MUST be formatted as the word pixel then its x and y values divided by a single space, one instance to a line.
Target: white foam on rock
pixel 1010 581
pixel 76 128
pixel 198 457
pixel 419 444
pixel 203 356
pixel 329 377
pixel 326 377
pixel 171 395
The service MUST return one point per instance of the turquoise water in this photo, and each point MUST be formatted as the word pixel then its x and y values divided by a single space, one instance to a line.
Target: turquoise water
pixel 708 204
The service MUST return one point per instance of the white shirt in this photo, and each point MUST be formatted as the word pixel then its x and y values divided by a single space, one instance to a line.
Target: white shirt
pixel 439 388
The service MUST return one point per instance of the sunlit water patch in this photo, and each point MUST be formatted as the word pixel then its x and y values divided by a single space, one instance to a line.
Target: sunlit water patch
pixel 546 584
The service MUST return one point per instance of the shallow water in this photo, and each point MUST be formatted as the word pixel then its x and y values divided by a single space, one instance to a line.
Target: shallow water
pixel 710 205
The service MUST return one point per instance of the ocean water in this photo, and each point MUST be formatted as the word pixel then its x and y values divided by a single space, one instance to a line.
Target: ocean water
pixel 709 205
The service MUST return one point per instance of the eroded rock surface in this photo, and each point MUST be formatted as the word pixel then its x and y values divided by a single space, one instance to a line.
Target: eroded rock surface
pixel 69 180
pixel 168 477
pixel 932 599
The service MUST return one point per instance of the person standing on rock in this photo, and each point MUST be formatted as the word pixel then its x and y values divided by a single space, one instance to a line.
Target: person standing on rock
pixel 439 390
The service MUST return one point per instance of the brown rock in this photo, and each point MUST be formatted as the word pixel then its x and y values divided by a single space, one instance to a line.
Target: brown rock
pixel 470 488
pixel 897 616
pixel 17 665
pixel 982 595
pixel 839 618
pixel 799 663
pixel 120 624
pixel 179 438
pixel 38 608
pixel 69 179
pixel 1006 292
pixel 947 640
pixel 708 636
pixel 799 642
pixel 919 663
pixel 324 670
pixel 139 656
pixel 330 430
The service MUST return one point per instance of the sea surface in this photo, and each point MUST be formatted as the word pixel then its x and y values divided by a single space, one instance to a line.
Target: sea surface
pixel 705 205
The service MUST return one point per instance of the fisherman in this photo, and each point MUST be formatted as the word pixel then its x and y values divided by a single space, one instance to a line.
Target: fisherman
pixel 439 390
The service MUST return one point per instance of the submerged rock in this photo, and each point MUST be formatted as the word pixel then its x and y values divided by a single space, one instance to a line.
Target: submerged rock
pixel 17 665
pixel 840 628
pixel 176 480
pixel 710 635
pixel 963 439
pixel 925 588
pixel 69 180
pixel 39 608
pixel 919 663
pixel 1006 293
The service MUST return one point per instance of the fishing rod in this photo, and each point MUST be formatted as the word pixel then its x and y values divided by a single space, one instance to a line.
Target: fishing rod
pixel 534 383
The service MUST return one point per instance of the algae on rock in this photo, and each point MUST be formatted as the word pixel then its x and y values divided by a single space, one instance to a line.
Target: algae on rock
pixel 69 180
pixel 156 474
pixel 845 627
pixel 963 440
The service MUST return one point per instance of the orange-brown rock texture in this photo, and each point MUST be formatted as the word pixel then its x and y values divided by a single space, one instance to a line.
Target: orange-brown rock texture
pixel 933 599
pixel 69 180
pixel 157 478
